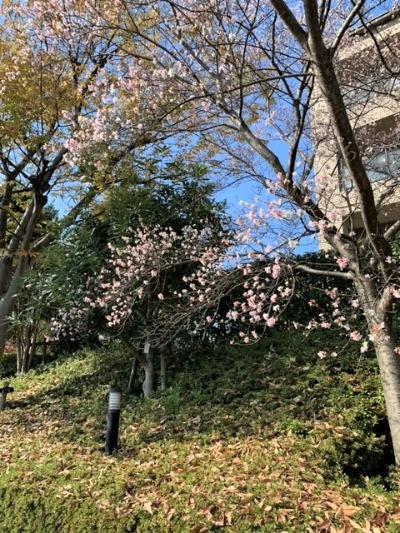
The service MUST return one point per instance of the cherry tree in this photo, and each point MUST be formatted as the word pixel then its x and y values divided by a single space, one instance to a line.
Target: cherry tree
pixel 160 283
pixel 139 290
pixel 269 85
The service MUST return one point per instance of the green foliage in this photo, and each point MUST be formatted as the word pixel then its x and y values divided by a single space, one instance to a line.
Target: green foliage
pixel 261 438
pixel 175 194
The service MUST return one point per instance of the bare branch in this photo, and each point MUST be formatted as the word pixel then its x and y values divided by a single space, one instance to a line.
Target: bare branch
pixel 329 273
pixel 392 230
pixel 346 24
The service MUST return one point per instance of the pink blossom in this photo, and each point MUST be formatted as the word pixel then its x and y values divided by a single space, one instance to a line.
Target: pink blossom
pixel 355 335
pixel 342 262
pixel 276 270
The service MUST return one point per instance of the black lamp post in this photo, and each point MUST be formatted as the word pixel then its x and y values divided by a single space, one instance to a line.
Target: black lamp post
pixel 114 409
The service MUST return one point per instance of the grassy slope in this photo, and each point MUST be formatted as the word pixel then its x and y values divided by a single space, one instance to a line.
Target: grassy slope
pixel 248 440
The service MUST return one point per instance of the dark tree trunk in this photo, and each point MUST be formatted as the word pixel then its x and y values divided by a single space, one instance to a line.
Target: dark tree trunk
pixel 133 375
pixel 163 371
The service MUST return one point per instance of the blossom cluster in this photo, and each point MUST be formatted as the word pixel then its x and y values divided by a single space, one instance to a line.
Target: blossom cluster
pixel 167 279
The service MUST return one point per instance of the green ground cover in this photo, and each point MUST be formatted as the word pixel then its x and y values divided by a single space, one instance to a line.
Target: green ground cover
pixel 262 438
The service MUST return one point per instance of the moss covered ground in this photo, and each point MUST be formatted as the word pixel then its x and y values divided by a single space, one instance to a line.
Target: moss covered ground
pixel 262 438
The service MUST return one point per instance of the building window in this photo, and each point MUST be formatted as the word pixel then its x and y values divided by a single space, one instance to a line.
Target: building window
pixel 383 166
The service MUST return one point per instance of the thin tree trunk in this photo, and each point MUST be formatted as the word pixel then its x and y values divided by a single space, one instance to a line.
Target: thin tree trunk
pixel 25 357
pixel 148 363
pixel 163 371
pixel 133 374
pixel 25 354
pixel 20 349
pixel 148 383
pixel 32 351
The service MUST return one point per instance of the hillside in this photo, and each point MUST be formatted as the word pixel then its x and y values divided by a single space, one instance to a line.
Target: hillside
pixel 265 438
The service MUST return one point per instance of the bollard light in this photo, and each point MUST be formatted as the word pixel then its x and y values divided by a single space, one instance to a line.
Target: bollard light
pixel 114 409
pixel 114 400
pixel 3 395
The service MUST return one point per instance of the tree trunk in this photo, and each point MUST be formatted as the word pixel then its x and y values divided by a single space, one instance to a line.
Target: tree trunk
pixel 148 383
pixel 148 353
pixel 25 234
pixel 25 355
pixel 20 350
pixel 379 317
pixel 163 372
pixel 389 368
pixel 44 350
pixel 4 213
pixel 133 375
pixel 33 347
pixel 6 304
pixel 24 230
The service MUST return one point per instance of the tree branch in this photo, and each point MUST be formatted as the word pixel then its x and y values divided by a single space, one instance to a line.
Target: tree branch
pixel 318 272
pixel 392 230
pixel 291 22
pixel 351 16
